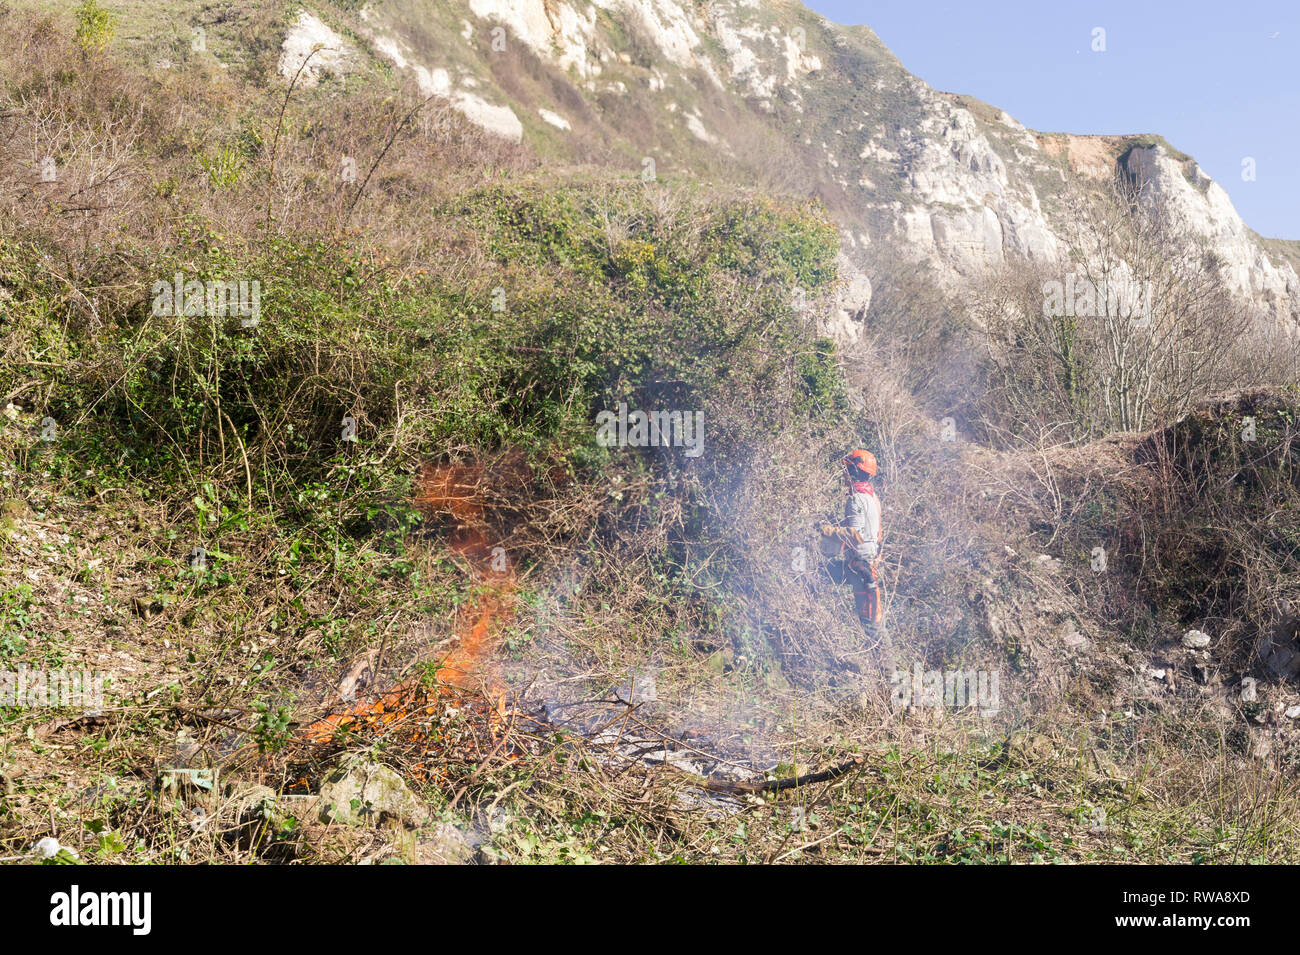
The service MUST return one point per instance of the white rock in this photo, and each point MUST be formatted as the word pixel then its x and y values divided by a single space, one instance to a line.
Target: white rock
pixel 1071 637
pixel 500 120
pixel 303 37
pixel 49 847
pixel 1249 692
pixel 1196 640
pixel 1203 208
pixel 852 299
pixel 698 130
pixel 1292 712
pixel 666 24
pixel 552 30
pixel 555 119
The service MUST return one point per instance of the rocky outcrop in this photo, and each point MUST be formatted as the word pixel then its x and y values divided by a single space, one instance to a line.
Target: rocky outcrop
pixel 966 212
pixel 762 59
pixel 459 91
pixel 555 31
pixel 312 50
pixel 1201 206
pixel 848 314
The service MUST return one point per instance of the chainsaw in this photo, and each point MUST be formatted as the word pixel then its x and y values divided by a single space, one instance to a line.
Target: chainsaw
pixel 832 545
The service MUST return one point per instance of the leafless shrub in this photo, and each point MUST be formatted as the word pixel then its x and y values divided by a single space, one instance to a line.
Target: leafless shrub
pixel 1138 327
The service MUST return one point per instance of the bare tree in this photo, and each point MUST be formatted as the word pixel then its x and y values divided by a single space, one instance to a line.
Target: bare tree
pixel 1136 326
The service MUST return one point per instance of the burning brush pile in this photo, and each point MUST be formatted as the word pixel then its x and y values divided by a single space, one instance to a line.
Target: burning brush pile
pixel 457 716
pixel 454 711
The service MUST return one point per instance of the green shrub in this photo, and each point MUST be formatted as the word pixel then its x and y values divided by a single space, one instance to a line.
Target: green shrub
pixel 94 27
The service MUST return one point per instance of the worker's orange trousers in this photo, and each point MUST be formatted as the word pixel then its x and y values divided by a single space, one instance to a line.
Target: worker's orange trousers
pixel 866 594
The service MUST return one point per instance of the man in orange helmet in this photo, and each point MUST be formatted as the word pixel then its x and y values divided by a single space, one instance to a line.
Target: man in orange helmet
pixel 859 535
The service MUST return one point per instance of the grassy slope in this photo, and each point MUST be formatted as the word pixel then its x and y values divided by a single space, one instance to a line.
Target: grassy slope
pixel 182 432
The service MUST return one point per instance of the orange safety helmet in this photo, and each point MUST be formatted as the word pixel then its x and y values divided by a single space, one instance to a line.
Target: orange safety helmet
pixel 860 463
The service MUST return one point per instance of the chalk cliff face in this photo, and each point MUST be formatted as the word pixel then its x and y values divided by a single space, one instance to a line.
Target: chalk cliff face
pixel 765 91
pixel 1201 204
pixel 969 207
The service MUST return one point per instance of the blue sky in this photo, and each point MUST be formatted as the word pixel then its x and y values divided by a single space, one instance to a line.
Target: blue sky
pixel 1220 81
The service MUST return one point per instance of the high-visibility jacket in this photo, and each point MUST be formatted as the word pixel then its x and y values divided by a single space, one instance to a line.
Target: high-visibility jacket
pixel 862 517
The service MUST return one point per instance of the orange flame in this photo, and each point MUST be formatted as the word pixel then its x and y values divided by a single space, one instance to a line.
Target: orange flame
pixel 455 490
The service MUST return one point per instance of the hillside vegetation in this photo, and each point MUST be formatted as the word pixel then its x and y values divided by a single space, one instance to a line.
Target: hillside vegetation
pixel 385 483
